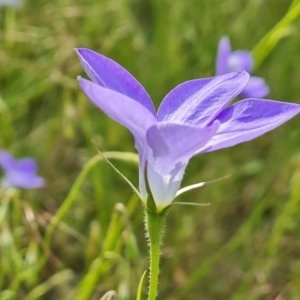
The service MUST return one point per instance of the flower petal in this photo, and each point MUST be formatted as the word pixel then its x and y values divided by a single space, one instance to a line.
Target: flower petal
pixel 240 60
pixel 110 74
pixel 199 101
pixel 256 88
pixel 174 144
pixel 224 50
pixel 164 188
pixel 249 119
pixel 22 180
pixel 7 161
pixel 142 149
pixel 16 3
pixel 119 107
pixel 172 147
pixel 19 173
pixel 27 165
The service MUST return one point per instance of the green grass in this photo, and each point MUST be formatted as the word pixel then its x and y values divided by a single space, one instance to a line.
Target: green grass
pixel 83 234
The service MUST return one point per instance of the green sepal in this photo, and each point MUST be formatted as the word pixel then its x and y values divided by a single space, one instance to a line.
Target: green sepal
pixel 165 209
pixel 151 206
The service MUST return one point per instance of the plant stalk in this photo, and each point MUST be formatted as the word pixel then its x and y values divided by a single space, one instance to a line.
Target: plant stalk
pixel 154 231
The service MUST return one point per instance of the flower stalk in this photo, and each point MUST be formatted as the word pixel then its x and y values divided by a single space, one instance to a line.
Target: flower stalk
pixel 154 223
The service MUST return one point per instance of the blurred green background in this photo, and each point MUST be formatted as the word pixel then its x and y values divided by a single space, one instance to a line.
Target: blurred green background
pixel 57 244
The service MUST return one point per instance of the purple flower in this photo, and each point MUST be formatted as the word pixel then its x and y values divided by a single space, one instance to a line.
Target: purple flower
pixel 19 173
pixel 240 60
pixel 16 3
pixel 192 119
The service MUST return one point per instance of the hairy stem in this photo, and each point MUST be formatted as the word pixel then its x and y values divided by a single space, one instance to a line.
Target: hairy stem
pixel 154 231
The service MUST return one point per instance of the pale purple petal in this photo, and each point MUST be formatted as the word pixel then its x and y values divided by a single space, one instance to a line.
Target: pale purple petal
pixel 249 119
pixel 199 101
pixel 6 160
pixel 164 188
pixel 19 173
pixel 127 112
pixel 119 107
pixel 16 3
pixel 255 88
pixel 176 98
pixel 111 75
pixel 224 50
pixel 240 60
pixel 142 149
pixel 22 180
pixel 174 144
pixel 27 165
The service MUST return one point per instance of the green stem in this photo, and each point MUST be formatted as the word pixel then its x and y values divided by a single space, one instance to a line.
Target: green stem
pixel 154 231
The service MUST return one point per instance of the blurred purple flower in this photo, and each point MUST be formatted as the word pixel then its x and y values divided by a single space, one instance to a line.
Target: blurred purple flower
pixel 16 3
pixel 19 173
pixel 193 118
pixel 240 60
